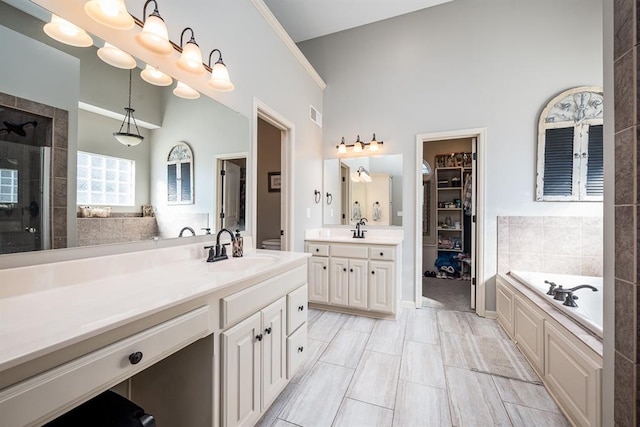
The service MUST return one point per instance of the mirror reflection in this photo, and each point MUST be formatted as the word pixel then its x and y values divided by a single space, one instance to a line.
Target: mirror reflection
pixel 363 187
pixel 66 181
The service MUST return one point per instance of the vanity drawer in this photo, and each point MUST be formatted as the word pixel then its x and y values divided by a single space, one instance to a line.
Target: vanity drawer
pixel 350 251
pixel 296 350
pixel 382 253
pixel 318 249
pixel 296 308
pixel 58 390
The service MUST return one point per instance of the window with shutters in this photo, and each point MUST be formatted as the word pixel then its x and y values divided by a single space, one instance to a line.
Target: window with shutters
pixel 180 175
pixel 570 147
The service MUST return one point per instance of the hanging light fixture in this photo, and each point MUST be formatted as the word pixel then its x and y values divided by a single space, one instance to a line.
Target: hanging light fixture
pixel 359 146
pixel 154 35
pixel 191 58
pixel 116 57
pixel 128 138
pixel 183 91
pixel 219 74
pixel 110 13
pixel 154 76
pixel 65 32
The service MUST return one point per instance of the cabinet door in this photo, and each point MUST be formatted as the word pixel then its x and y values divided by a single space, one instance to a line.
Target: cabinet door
pixel 504 307
pixel 318 278
pixel 358 283
pixel 528 332
pixel 381 286
pixel 274 376
pixel 241 373
pixel 339 283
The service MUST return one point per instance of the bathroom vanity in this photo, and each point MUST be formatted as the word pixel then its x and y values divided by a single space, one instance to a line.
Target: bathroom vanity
pixel 355 275
pixel 193 343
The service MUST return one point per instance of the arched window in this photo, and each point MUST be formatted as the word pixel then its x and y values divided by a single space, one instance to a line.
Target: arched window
pixel 570 147
pixel 180 175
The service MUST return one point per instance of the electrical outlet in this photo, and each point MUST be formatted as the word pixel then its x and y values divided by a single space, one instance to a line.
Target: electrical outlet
pixel 308 212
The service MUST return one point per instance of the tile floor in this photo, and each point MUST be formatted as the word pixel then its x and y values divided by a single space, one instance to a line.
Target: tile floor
pixel 432 367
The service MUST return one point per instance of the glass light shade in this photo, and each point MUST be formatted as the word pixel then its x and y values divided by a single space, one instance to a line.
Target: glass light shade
pixel 65 32
pixel 357 147
pixel 342 148
pixel 373 145
pixel 154 36
pixel 220 78
pixel 365 177
pixel 154 76
pixel 191 59
pixel 128 139
pixel 115 57
pixel 186 92
pixel 355 176
pixel 110 13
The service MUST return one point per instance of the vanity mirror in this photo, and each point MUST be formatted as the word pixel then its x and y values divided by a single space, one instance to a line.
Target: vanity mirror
pixel 41 76
pixel 363 187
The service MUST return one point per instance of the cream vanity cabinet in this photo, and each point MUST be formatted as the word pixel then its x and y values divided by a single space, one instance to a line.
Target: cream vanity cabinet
pixel 360 277
pixel 261 352
pixel 571 370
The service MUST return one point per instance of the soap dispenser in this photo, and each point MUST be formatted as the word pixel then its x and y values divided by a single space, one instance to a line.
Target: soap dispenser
pixel 238 245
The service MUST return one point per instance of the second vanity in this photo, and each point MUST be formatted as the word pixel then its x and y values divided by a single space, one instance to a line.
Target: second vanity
pixel 193 343
pixel 355 275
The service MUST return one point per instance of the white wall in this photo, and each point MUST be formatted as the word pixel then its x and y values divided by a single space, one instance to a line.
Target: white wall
pixel 461 65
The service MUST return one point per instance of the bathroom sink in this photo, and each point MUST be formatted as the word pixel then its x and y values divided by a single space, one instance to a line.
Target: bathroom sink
pixel 248 262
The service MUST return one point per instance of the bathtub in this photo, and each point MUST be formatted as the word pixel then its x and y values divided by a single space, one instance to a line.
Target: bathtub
pixel 589 310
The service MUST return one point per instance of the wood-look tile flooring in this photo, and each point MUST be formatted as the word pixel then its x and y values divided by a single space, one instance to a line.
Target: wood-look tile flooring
pixel 411 372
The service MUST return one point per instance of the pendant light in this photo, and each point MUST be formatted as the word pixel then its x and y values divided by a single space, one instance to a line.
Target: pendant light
pixel 191 58
pixel 154 35
pixel 154 76
pixel 115 57
pixel 183 91
pixel 128 138
pixel 110 13
pixel 219 74
pixel 65 32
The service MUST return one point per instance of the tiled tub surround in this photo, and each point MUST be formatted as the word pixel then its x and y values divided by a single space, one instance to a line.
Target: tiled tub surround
pixel 116 229
pixel 550 244
pixel 53 314
pixel 567 356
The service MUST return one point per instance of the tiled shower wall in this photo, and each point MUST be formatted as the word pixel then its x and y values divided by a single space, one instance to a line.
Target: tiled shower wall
pixel 550 244
pixel 627 184
pixel 100 231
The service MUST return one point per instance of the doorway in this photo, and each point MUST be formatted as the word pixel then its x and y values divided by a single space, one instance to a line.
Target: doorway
pixel 449 249
pixel 232 190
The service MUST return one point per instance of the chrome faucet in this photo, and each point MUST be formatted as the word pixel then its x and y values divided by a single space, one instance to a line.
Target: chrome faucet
pixel 185 229
pixel 219 251
pixel 567 294
pixel 358 233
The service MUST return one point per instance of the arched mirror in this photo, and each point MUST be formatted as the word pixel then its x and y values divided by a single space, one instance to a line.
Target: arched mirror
pixel 570 147
pixel 180 175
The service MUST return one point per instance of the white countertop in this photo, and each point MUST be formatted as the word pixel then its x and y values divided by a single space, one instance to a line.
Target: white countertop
pixel 345 235
pixel 36 323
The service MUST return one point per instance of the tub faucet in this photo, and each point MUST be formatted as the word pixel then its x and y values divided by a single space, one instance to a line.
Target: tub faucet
pixel 569 298
pixel 219 251
pixel 186 229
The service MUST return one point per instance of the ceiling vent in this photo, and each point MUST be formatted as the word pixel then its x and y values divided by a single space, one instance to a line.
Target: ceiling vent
pixel 315 115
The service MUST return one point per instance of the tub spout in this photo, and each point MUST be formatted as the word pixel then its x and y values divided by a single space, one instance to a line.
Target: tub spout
pixel 583 286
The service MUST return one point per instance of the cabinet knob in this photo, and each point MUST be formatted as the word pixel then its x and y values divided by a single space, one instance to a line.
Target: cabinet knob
pixel 373 272
pixel 324 267
pixel 135 358
pixel 300 349
pixel 381 253
pixel 344 269
pixel 317 249
pixel 267 331
pixel 301 308
pixel 351 270
pixel 259 337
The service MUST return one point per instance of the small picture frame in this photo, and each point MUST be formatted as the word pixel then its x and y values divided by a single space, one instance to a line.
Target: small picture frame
pixel 274 182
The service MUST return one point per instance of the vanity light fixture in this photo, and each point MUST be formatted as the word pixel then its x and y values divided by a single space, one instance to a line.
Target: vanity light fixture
pixel 152 75
pixel 116 57
pixel 110 13
pixel 128 138
pixel 361 175
pixel 219 74
pixel 154 35
pixel 359 146
pixel 183 91
pixel 191 58
pixel 65 32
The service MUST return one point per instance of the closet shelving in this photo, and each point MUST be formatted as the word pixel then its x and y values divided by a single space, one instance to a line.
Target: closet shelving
pixel 449 199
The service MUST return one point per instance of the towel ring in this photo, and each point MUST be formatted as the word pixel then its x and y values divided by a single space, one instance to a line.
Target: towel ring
pixel 316 196
pixel 329 198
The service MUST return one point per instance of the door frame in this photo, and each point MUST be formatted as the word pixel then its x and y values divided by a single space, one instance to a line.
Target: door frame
pixel 263 111
pixel 219 158
pixel 481 137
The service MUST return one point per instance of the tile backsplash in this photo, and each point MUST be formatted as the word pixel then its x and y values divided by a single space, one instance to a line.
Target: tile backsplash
pixel 550 244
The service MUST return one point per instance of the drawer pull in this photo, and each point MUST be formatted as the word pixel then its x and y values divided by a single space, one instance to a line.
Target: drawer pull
pixel 351 270
pixel 317 249
pixel 373 272
pixel 259 337
pixel 381 253
pixel 300 349
pixel 267 331
pixel 324 267
pixel 135 358
pixel 301 308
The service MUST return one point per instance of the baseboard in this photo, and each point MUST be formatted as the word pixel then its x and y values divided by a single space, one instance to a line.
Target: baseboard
pixel 408 304
pixel 489 314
